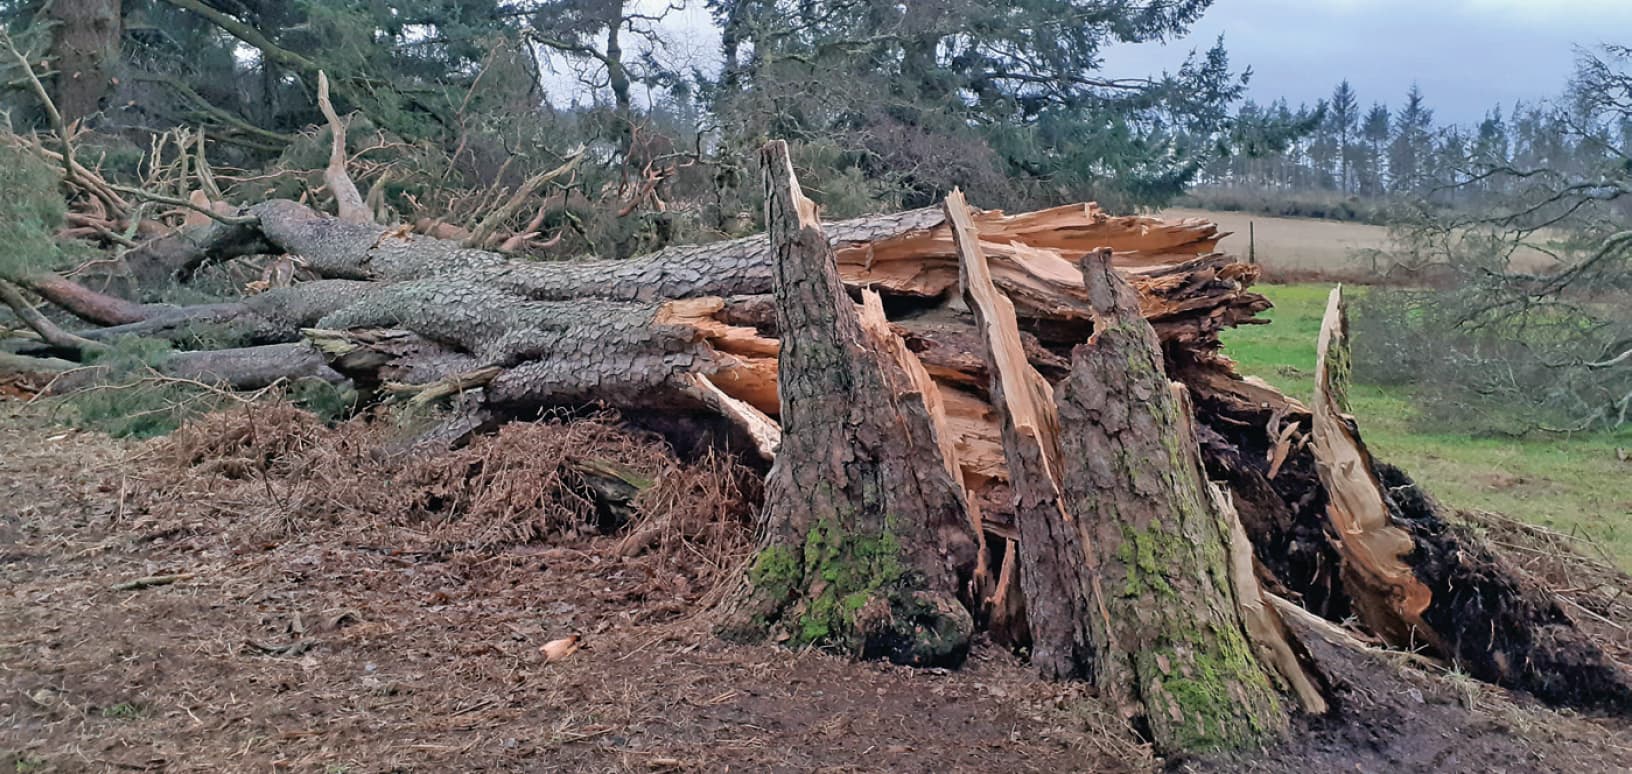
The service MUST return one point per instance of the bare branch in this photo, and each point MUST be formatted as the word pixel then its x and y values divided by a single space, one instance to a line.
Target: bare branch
pixel 348 202
pixel 49 331
pixel 489 225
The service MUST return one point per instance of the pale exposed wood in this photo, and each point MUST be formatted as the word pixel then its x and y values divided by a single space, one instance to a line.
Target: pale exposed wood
pixel 1376 573
pixel 763 430
pixel 702 313
pixel 877 329
pixel 425 394
pixel 1051 561
pixel 1072 226
pixel 485 231
pixel 1327 630
pixel 1005 607
pixel 1263 623
pixel 1283 445
pixel 748 370
pixel 975 432
pixel 196 217
pixel 1028 398
pixel 348 202
pixel 925 262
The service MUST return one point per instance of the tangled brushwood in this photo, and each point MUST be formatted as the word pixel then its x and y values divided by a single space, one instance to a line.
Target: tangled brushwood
pixel 273 468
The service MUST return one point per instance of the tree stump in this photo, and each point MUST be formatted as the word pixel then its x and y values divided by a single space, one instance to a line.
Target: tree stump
pixel 1171 651
pixel 865 542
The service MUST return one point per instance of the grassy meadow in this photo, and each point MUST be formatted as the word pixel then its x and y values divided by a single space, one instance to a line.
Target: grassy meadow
pixel 1576 485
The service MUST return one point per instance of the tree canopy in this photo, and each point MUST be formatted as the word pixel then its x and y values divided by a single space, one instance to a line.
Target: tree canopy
pixel 888 104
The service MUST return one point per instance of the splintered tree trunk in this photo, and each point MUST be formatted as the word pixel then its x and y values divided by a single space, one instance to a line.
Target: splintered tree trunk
pixel 1171 646
pixel 865 543
pixel 685 341
pixel 1054 572
pixel 1331 549
pixel 1413 582
pixel 1386 592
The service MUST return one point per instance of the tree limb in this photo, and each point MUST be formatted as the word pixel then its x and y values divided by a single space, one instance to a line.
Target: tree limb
pixel 484 230
pixel 49 331
pixel 348 202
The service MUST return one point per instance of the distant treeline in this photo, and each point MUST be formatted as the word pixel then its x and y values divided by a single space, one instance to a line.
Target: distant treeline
pixel 1349 162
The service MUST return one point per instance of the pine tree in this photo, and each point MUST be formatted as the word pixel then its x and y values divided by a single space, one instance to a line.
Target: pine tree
pixel 1446 167
pixel 980 96
pixel 1491 146
pixel 1342 120
pixel 1411 144
pixel 1374 130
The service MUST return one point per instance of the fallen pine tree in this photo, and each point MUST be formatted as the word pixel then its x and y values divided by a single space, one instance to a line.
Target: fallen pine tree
pixel 963 512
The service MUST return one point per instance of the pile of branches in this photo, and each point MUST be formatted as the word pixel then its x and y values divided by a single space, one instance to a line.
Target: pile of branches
pixel 268 468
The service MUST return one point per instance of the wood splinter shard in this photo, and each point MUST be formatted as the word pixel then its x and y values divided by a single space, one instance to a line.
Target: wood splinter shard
pixel 1054 578
pixel 1385 589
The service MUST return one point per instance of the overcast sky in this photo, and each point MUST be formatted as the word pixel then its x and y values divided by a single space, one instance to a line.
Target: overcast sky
pixel 1467 55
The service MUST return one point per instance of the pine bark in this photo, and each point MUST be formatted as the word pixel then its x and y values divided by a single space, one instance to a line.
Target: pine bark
pixel 84 50
pixel 1172 652
pixel 865 541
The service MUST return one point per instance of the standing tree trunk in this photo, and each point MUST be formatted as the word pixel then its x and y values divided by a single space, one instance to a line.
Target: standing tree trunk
pixel 84 51
pixel 865 542
pixel 1171 649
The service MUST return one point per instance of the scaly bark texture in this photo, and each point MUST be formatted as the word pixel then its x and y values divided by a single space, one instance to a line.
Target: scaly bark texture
pixel 1171 649
pixel 84 48
pixel 865 543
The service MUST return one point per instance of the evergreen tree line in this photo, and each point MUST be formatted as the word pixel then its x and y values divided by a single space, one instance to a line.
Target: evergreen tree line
pixel 1404 154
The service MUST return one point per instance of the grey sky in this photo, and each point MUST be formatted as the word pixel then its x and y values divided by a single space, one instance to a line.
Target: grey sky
pixel 1467 55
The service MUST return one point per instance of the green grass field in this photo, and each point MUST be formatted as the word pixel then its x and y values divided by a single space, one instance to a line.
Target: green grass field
pixel 1576 485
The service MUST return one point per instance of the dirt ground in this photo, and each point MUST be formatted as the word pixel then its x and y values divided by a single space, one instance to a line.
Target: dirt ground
pixel 315 651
